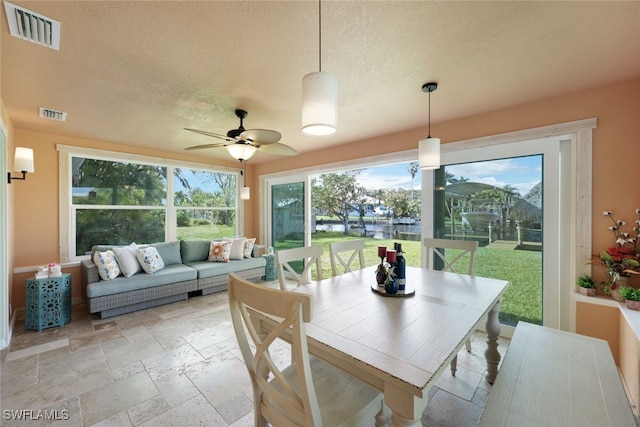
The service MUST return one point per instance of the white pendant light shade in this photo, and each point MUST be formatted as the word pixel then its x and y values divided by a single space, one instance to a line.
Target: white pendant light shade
pixel 242 152
pixel 319 103
pixel 23 160
pixel 429 148
pixel 245 193
pixel 429 153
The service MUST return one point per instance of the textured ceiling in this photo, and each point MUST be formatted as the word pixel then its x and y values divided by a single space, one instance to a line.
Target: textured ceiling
pixel 139 72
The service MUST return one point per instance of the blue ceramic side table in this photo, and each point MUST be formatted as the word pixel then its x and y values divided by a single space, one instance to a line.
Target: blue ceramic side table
pixel 48 302
pixel 270 272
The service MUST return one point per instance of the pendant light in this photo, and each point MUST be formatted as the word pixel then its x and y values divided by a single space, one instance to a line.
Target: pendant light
pixel 245 192
pixel 429 148
pixel 319 96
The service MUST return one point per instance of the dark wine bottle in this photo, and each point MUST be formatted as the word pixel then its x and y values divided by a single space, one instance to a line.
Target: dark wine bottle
pixel 401 265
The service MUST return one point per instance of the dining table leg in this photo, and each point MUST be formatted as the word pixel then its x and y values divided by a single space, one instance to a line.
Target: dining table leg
pixel 406 408
pixel 491 354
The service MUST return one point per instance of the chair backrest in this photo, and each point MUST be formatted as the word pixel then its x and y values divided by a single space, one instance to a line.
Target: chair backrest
pixel 288 259
pixel 439 246
pixel 345 254
pixel 277 400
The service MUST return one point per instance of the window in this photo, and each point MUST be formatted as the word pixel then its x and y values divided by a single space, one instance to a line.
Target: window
pixel 117 203
pixel 108 198
pixel 205 204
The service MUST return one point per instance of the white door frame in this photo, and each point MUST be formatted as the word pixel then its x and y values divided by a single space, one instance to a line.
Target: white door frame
pixel 573 201
pixel 266 182
pixel 5 304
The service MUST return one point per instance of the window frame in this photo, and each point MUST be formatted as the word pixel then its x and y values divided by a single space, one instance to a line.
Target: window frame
pixel 67 209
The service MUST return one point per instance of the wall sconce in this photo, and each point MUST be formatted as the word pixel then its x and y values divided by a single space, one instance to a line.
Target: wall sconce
pixel 23 162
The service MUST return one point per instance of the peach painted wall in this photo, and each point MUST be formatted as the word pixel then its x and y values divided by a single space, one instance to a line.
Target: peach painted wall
pixel 630 359
pixel 36 210
pixel 601 322
pixel 616 145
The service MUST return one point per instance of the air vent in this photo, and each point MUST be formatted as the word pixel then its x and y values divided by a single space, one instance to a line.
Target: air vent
pixel 32 27
pixel 47 113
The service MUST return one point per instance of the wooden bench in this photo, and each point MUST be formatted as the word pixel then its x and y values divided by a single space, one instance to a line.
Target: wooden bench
pixel 556 378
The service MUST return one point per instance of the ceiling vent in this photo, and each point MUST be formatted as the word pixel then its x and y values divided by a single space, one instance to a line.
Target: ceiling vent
pixel 48 113
pixel 33 27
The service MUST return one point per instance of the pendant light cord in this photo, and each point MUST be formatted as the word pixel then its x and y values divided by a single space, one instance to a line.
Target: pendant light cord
pixel 320 35
pixel 429 115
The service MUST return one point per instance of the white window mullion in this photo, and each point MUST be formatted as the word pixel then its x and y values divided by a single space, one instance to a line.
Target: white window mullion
pixel 171 215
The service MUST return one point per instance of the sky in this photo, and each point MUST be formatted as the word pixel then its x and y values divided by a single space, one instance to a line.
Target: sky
pixel 522 173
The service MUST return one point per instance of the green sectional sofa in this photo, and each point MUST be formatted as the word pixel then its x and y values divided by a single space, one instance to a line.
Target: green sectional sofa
pixel 186 272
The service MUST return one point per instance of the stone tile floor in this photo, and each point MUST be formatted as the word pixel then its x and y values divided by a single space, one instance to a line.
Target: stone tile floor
pixel 174 365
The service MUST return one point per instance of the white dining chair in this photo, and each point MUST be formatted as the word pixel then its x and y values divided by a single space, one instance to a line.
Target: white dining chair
pixel 288 259
pixel 465 250
pixel 309 392
pixel 343 256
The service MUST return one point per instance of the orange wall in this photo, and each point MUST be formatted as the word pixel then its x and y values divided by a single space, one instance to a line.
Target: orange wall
pixel 600 322
pixel 615 173
pixel 630 359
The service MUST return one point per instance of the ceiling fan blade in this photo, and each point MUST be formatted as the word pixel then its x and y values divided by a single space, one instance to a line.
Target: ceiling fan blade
pixel 214 135
pixel 277 149
pixel 200 147
pixel 261 136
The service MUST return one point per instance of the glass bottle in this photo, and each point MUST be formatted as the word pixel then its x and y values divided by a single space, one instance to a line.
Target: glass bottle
pixel 401 265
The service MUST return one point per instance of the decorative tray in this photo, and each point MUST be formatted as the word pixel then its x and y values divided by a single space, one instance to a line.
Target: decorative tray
pixel 408 291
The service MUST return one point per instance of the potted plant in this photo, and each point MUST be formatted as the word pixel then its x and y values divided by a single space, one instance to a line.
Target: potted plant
pixel 587 285
pixel 631 297
pixel 622 260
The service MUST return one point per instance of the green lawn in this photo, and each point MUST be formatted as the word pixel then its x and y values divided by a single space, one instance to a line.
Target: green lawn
pixel 523 269
pixel 206 232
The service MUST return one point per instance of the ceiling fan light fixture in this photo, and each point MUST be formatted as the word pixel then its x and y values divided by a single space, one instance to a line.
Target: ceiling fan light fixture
pixel 240 151
pixel 319 99
pixel 429 148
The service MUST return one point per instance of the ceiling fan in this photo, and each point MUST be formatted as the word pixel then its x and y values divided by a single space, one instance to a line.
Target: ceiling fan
pixel 243 143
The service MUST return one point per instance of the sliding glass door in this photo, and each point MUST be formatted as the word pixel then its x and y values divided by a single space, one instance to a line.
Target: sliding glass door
pixel 289 202
pixel 499 204
pixel 507 197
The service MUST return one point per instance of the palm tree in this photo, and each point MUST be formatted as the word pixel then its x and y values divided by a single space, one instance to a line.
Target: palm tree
pixel 413 170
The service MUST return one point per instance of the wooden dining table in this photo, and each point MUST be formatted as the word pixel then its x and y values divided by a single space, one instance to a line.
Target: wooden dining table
pixel 401 345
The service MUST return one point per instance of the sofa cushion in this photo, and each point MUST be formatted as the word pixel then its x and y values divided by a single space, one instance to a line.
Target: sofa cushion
pixel 169 252
pixel 168 275
pixel 100 248
pixel 150 259
pixel 107 265
pixel 248 247
pixel 194 250
pixel 219 251
pixel 127 259
pixel 237 247
pixel 209 269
